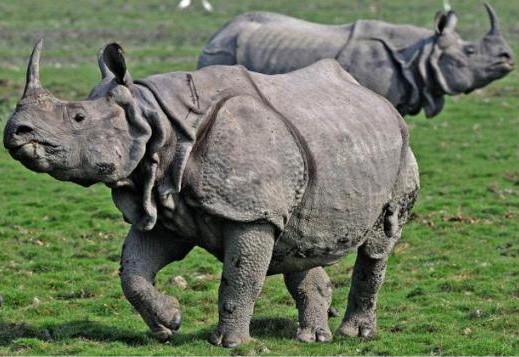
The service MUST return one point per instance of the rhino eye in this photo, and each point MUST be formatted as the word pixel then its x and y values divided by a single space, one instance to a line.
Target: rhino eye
pixel 79 117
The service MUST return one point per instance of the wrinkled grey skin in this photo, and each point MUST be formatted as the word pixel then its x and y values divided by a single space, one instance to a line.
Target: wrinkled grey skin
pixel 271 174
pixel 412 67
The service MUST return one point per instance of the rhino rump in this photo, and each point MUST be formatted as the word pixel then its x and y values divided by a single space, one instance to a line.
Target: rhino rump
pixel 247 165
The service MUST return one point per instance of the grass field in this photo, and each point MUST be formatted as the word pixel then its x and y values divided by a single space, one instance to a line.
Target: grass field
pixel 452 285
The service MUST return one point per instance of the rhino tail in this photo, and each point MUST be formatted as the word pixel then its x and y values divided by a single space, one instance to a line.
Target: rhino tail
pixel 405 193
pixel 221 47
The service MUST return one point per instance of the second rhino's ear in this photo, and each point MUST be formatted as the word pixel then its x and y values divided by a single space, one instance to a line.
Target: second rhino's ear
pixel 113 58
pixel 445 22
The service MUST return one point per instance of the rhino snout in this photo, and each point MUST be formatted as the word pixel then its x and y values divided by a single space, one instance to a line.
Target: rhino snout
pixel 506 57
pixel 503 65
pixel 17 134
pixel 510 63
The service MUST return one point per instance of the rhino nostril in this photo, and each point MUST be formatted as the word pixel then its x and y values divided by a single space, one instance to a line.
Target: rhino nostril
pixel 506 56
pixel 23 129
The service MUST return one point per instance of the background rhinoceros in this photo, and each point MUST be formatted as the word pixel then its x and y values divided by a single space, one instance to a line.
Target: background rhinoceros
pixel 270 174
pixel 412 67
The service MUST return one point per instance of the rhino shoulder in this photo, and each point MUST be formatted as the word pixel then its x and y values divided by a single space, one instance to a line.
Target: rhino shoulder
pixel 246 165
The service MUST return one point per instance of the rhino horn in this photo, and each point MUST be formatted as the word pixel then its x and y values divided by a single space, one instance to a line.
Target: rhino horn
pixel 494 20
pixel 33 84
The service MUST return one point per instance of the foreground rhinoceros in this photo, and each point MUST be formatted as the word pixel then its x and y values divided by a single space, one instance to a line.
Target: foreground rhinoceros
pixel 271 174
pixel 414 68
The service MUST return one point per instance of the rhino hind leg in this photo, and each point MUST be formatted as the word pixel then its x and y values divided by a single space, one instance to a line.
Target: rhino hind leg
pixel 247 253
pixel 221 48
pixel 312 291
pixel 144 254
pixel 370 265
pixel 368 275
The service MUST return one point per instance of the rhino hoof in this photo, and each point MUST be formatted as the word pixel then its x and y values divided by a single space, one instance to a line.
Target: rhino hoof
pixel 230 344
pixel 349 331
pixel 323 336
pixel 366 333
pixel 356 330
pixel 175 322
pixel 218 338
pixel 215 338
pixel 163 334
pixel 333 312
pixel 314 335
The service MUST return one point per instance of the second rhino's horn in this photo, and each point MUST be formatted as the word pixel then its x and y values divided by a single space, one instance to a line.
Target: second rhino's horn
pixel 494 20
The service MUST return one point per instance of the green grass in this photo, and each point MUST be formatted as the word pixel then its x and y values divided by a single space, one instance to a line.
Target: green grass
pixel 452 285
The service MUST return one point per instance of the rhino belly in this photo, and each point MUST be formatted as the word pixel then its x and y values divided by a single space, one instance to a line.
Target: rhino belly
pixel 324 230
pixel 294 252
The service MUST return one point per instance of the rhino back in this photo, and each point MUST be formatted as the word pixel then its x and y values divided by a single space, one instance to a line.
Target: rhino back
pixel 283 46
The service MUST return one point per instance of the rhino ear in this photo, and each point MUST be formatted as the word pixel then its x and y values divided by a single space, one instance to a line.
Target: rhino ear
pixel 445 22
pixel 103 68
pixel 113 59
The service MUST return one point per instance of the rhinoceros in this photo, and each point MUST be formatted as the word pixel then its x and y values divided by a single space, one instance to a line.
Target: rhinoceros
pixel 412 67
pixel 271 174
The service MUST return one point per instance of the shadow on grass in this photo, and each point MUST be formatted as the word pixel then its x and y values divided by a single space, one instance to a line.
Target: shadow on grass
pixel 95 331
pixel 273 327
pixel 75 329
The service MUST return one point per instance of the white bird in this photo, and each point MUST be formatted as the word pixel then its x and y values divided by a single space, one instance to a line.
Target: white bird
pixel 186 3
pixel 446 5
pixel 207 5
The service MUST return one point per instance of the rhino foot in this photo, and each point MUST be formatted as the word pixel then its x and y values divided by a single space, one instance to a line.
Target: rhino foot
pixel 312 292
pixel 358 327
pixel 319 334
pixel 166 323
pixel 162 333
pixel 229 339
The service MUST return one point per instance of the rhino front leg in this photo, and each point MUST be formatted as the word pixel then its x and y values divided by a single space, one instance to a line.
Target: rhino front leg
pixel 312 291
pixel 247 253
pixel 143 255
pixel 368 275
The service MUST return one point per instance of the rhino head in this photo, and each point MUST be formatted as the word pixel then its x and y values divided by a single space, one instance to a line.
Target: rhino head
pixel 460 66
pixel 101 139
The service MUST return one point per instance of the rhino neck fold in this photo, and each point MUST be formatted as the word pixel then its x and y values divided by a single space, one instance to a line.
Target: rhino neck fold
pixel 439 78
pixel 173 109
pixel 136 195
pixel 431 95
pixel 411 55
pixel 417 65
pixel 183 117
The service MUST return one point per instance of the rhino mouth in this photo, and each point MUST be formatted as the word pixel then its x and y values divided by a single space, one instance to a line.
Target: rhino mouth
pixel 33 155
pixel 501 66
